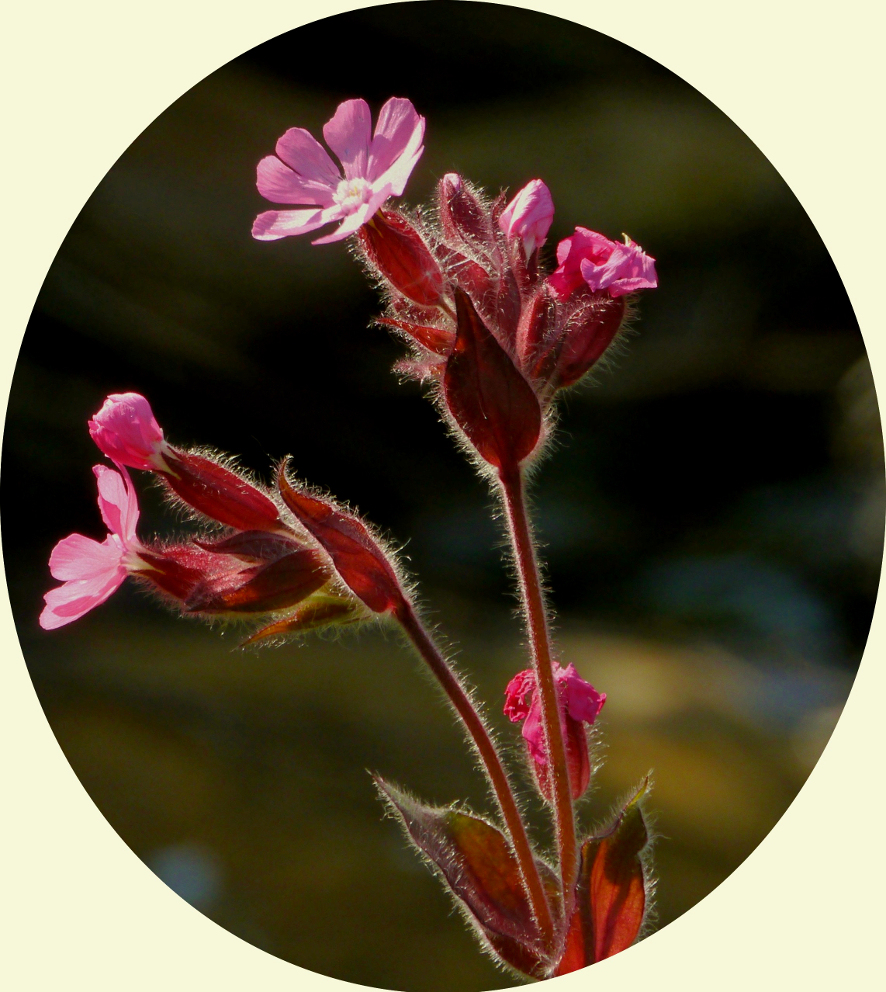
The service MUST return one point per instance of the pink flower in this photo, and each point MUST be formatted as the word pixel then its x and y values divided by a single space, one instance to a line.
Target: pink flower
pixel 529 215
pixel 126 431
pixel 92 572
pixel 588 257
pixel 374 169
pixel 580 704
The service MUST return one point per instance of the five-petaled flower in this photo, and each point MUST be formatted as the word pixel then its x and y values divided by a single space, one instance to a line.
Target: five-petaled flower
pixel 580 704
pixel 589 257
pixel 375 168
pixel 92 572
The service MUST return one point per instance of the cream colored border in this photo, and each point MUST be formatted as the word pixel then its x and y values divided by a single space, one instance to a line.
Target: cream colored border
pixel 804 80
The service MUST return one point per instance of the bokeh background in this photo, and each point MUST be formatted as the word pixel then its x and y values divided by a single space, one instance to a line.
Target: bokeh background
pixel 712 519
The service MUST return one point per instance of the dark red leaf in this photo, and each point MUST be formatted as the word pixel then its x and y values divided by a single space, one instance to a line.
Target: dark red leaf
pixel 478 865
pixel 487 395
pixel 219 493
pixel 401 256
pixel 262 588
pixel 356 556
pixel 611 892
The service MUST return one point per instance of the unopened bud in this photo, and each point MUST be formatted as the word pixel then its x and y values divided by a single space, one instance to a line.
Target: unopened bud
pixel 397 250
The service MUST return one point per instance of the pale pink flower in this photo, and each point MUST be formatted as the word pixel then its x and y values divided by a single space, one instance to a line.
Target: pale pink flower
pixel 126 431
pixel 375 168
pixel 591 258
pixel 91 572
pixel 580 704
pixel 529 216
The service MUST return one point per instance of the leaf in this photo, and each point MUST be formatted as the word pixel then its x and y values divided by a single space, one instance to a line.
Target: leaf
pixel 611 891
pixel 356 556
pixel 478 866
pixel 487 395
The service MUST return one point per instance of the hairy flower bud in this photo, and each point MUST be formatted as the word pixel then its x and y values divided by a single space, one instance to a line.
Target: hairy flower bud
pixel 464 221
pixel 396 249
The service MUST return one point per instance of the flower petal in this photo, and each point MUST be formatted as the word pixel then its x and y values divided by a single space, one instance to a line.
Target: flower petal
pixel 398 134
pixel 279 184
pixel 117 502
pixel 77 597
pixel 301 151
pixel 398 175
pixel 77 557
pixel 347 134
pixel 274 224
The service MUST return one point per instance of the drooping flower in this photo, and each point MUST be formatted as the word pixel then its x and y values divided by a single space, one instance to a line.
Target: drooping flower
pixel 375 168
pixel 529 216
pixel 580 704
pixel 92 572
pixel 126 431
pixel 590 258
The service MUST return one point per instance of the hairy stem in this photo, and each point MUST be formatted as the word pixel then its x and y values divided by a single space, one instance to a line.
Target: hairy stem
pixel 492 762
pixel 539 637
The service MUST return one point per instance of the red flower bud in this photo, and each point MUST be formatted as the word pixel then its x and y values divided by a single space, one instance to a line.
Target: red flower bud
pixel 219 493
pixel 355 554
pixel 396 249
pixel 463 218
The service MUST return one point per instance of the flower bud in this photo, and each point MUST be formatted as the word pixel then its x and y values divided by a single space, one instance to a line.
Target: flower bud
pixel 126 431
pixel 529 216
pixel 463 218
pixel 397 250
pixel 579 704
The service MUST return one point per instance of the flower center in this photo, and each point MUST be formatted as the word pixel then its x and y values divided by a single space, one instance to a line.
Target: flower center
pixel 352 194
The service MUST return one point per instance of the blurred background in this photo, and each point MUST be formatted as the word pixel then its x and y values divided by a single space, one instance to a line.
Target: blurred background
pixel 712 517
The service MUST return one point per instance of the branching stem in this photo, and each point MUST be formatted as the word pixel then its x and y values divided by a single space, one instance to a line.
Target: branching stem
pixel 479 734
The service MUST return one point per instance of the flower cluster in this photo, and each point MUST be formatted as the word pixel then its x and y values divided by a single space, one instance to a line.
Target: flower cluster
pixel 469 294
pixel 291 559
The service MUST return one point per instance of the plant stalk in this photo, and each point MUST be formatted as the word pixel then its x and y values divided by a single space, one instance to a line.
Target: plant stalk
pixel 513 492
pixel 479 734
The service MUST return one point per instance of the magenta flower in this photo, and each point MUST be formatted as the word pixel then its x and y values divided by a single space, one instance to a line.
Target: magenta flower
pixel 591 258
pixel 91 572
pixel 374 169
pixel 580 704
pixel 529 215
pixel 126 431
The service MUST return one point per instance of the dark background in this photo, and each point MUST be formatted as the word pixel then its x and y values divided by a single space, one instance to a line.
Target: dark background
pixel 712 516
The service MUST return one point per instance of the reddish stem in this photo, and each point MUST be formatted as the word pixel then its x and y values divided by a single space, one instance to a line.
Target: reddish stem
pixel 479 734
pixel 539 636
